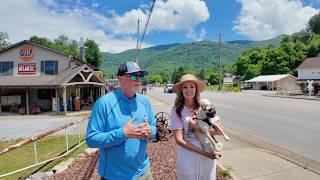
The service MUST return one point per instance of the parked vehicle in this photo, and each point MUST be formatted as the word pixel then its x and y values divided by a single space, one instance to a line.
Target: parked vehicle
pixel 168 88
pixel 245 86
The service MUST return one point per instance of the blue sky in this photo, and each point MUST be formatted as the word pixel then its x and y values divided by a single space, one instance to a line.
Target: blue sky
pixel 113 23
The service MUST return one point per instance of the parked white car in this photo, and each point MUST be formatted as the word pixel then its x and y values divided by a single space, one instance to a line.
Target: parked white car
pixel 168 88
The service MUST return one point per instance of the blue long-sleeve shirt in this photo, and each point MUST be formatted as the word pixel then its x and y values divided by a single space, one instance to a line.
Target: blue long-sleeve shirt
pixel 120 157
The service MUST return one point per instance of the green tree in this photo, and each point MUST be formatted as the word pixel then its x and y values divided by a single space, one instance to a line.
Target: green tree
pixel 4 37
pixel 62 44
pixel 302 36
pixel 202 74
pixel 314 24
pixel 214 78
pixel 92 53
pixel 176 75
pixel 252 71
pixel 156 78
pixel 42 41
pixel 165 77
pixel 314 46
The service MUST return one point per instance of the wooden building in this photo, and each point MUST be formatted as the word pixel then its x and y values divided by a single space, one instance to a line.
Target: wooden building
pixel 34 76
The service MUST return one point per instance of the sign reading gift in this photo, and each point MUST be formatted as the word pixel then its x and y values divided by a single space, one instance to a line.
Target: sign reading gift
pixel 29 68
pixel 27 52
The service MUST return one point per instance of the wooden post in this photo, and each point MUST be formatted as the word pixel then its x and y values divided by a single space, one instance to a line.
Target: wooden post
pixel 0 103
pixel 65 99
pixel 27 100
pixel 57 101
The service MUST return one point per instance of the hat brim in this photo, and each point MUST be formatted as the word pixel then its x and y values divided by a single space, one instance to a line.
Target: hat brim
pixel 200 85
pixel 143 72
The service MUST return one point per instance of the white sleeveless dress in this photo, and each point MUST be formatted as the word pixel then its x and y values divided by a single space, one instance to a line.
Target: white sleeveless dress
pixel 191 165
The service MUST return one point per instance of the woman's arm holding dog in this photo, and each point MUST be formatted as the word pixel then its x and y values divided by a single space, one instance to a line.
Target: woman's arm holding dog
pixel 194 125
pixel 178 135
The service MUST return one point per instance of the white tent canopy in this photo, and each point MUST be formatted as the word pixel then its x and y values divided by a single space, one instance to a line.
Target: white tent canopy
pixel 268 78
pixel 274 82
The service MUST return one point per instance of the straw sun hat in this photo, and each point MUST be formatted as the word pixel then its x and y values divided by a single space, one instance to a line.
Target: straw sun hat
pixel 189 77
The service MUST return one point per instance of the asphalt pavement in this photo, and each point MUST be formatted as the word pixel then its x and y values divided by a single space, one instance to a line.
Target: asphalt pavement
pixel 253 159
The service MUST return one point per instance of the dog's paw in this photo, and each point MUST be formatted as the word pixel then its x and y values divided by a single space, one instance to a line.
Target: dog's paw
pixel 218 146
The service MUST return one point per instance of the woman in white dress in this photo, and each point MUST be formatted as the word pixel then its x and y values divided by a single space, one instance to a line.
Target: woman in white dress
pixel 193 163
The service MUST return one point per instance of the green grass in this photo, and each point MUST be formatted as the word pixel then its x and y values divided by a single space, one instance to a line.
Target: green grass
pixel 226 87
pixel 212 87
pixel 48 147
pixel 225 172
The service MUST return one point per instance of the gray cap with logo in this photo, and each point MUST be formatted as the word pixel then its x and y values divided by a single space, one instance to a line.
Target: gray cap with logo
pixel 129 68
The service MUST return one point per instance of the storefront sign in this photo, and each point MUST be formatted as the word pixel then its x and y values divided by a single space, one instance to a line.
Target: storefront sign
pixel 29 68
pixel 27 52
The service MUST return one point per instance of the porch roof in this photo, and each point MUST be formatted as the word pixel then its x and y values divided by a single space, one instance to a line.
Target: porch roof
pixel 268 78
pixel 60 79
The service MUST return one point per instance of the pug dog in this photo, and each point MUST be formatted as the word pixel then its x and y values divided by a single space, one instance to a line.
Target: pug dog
pixel 205 119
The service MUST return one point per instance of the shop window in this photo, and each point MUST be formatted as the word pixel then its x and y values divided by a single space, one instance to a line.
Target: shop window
pixel 46 93
pixel 49 67
pixel 6 68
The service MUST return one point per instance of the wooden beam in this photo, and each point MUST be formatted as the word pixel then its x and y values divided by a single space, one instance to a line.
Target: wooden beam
pixel 88 78
pixel 57 101
pixel 75 83
pixel 65 99
pixel 0 103
pixel 27 100
pixel 82 76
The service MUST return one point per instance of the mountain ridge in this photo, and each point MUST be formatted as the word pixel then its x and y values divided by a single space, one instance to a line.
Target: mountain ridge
pixel 191 56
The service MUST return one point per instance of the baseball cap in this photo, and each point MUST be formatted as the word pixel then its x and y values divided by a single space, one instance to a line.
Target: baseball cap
pixel 130 67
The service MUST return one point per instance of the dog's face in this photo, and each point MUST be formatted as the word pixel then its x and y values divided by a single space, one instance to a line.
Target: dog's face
pixel 206 109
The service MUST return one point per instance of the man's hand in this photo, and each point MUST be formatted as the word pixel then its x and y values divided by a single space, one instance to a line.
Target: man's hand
pixel 141 130
pixel 147 129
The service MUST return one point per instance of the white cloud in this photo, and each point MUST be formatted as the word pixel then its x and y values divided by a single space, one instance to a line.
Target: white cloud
pixel 177 14
pixel 168 15
pixel 196 37
pixel 265 19
pixel 22 19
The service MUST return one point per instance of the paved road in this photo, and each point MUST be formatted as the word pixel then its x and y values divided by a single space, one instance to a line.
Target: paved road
pixel 13 127
pixel 292 124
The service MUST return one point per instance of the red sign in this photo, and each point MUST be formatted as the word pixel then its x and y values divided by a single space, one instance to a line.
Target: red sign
pixel 29 68
pixel 27 52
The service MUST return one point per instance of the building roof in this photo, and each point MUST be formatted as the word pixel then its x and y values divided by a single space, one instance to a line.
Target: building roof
pixel 313 62
pixel 46 80
pixel 269 78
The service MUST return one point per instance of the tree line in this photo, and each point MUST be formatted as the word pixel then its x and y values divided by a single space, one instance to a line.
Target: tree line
pixel 293 50
pixel 66 45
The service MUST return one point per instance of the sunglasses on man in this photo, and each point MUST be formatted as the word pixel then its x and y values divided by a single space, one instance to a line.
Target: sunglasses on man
pixel 134 77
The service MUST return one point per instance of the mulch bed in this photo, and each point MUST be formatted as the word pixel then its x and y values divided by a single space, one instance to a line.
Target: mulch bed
pixel 162 157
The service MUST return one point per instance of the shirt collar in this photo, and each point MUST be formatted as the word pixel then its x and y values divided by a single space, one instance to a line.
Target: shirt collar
pixel 124 97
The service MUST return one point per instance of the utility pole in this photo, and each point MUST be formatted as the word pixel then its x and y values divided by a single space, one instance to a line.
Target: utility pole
pixel 144 31
pixel 137 56
pixel 220 68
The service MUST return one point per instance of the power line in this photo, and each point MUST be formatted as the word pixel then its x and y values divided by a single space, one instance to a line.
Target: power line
pixel 144 31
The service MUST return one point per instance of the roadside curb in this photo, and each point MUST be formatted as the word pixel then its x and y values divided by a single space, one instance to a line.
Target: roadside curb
pixel 260 145
pixel 294 97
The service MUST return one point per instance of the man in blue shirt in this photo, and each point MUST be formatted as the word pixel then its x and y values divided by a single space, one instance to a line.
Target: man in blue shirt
pixel 121 122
